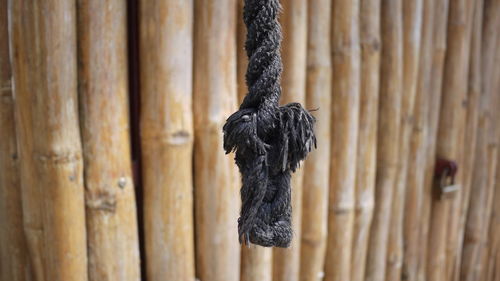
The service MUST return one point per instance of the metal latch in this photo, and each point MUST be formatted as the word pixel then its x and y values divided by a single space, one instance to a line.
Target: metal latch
pixel 444 174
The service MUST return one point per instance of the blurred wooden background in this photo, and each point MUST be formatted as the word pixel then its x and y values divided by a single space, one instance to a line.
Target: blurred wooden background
pixel 111 159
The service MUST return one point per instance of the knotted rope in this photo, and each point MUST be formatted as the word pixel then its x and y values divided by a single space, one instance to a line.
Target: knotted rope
pixel 269 140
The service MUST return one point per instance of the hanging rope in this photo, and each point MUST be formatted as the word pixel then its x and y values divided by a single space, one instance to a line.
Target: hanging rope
pixel 269 140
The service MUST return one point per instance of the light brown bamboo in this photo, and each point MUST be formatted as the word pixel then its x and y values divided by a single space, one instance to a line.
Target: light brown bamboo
pixel 256 262
pixel 490 254
pixel 412 22
pixel 367 134
pixel 316 169
pixel 43 44
pixel 13 252
pixel 453 125
pixel 434 103
pixel 492 272
pixel 484 167
pixel 450 133
pixel 391 86
pixel 286 262
pixel 417 156
pixel 109 191
pixel 166 42
pixel 346 56
pixel 473 90
pixel 216 180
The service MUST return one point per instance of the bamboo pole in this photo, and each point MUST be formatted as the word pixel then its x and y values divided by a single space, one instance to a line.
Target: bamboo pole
pixel 417 156
pixel 434 102
pixel 109 190
pixel 454 124
pixel 477 216
pixel 344 136
pixel 391 87
pixel 216 185
pixel 490 254
pixel 412 22
pixel 286 262
pixel 43 43
pixel 473 90
pixel 166 42
pixel 367 134
pixel 316 169
pixel 450 133
pixel 13 251
pixel 256 262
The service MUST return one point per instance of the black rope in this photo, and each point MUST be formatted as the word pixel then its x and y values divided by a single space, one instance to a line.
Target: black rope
pixel 269 140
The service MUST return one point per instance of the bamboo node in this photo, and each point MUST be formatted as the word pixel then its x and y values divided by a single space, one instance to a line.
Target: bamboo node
pixel 101 200
pixel 59 157
pixel 371 45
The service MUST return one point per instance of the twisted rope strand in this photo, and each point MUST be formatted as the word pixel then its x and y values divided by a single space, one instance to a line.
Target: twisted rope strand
pixel 269 140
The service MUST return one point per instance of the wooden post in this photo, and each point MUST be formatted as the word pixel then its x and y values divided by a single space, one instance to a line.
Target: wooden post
pixel 316 169
pixel 391 86
pixel 367 134
pixel 256 262
pixel 109 191
pixel 417 156
pixel 286 262
pixel 438 55
pixel 217 197
pixel 486 150
pixel 166 56
pixel 412 23
pixel 13 251
pixel 473 90
pixel 344 136
pixel 43 44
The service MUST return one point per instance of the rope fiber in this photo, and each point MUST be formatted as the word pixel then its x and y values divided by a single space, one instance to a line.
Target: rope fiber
pixel 269 140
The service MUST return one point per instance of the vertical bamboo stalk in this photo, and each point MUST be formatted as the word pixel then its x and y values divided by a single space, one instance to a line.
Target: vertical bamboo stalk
pixel 13 251
pixel 286 262
pixel 450 133
pixel 473 90
pixel 417 156
pixel 109 191
pixel 345 117
pixel 166 44
pixel 434 103
pixel 391 86
pixel 256 262
pixel 216 185
pixel 367 134
pixel 454 98
pixel 493 247
pixel 316 169
pixel 412 22
pixel 43 43
pixel 486 150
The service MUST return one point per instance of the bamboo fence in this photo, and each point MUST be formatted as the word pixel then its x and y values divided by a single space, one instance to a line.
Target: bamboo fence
pixel 111 159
